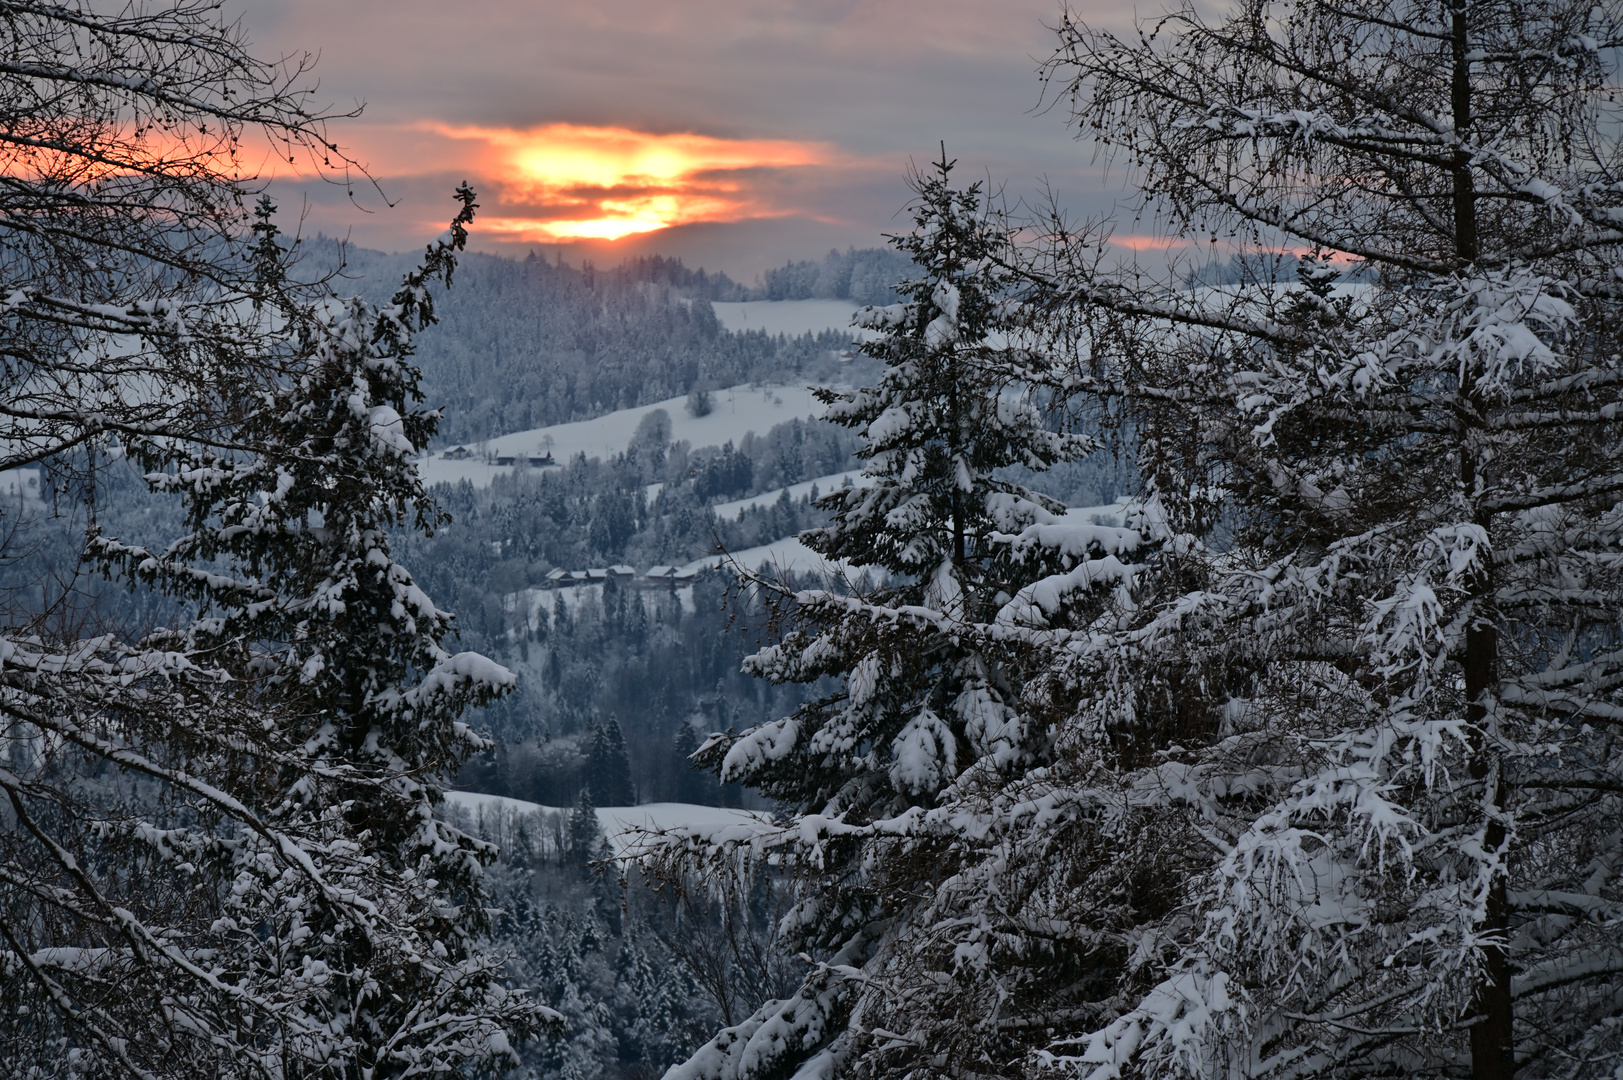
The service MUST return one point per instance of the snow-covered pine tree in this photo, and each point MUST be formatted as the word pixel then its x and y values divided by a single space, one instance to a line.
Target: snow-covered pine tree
pixel 1394 532
pixel 558 952
pixel 585 835
pixel 217 852
pixel 652 1001
pixel 343 652
pixel 608 766
pixel 936 704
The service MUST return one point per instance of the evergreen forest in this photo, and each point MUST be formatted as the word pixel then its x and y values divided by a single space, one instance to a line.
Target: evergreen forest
pixel 1207 667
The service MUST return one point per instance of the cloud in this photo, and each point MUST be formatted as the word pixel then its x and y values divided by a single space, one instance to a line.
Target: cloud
pixel 1140 242
pixel 859 87
pixel 561 182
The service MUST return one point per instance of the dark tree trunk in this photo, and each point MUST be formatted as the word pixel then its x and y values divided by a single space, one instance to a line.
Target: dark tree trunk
pixel 1492 1045
pixel 1465 238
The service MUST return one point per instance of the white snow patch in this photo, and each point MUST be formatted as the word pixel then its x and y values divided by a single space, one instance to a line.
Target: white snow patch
pixel 1111 515
pixel 791 317
pixel 619 823
pixel 786 554
pixel 735 412
pixel 790 554
pixel 729 511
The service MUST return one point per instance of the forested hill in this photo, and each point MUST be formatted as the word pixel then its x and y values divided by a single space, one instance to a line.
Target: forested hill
pixel 526 343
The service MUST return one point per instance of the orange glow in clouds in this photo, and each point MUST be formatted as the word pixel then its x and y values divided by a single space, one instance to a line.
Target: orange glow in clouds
pixel 563 182
pixel 1149 243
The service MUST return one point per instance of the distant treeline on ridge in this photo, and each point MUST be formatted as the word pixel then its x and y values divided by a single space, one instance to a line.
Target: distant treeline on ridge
pixel 528 343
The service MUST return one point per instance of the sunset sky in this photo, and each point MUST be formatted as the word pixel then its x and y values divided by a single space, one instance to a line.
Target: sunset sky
pixel 735 134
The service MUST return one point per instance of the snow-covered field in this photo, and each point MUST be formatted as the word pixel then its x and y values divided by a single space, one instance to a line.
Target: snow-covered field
pixel 1111 514
pixel 538 601
pixel 619 823
pixel 729 511
pixel 790 554
pixel 786 554
pixel 736 411
pixel 780 555
pixel 791 317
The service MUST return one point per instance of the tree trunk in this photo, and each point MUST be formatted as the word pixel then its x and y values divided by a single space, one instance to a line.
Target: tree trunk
pixel 1465 238
pixel 1492 1045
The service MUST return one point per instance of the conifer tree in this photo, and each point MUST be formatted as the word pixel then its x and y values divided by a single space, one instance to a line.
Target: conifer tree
pixel 218 854
pixel 585 836
pixel 1390 521
pixel 608 766
pixel 557 952
pixel 937 701
pixel 651 1026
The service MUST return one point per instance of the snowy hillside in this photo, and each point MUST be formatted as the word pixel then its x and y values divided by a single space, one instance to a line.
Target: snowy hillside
pixel 619 823
pixel 789 554
pixel 790 317
pixel 823 484
pixel 735 412
pixel 785 554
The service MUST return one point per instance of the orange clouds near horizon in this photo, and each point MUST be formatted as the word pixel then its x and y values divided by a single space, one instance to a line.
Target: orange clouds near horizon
pixel 564 182
pixel 1150 243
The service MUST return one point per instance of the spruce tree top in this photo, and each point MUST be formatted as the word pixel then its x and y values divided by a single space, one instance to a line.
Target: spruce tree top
pixel 947 413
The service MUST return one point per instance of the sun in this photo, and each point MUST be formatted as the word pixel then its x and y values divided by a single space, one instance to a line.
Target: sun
pixel 573 182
